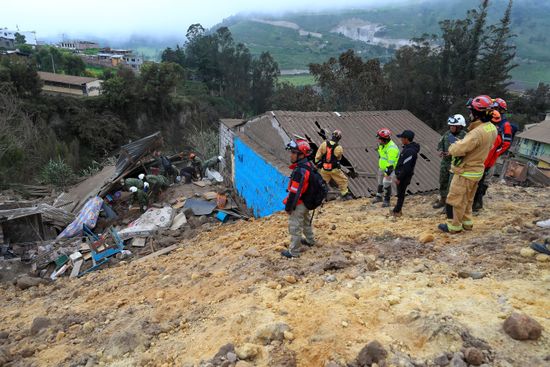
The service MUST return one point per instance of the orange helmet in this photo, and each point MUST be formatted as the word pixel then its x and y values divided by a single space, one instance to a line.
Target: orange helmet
pixel 496 118
pixel 500 103
pixel 480 103
pixel 192 155
pixel 299 146
pixel 383 133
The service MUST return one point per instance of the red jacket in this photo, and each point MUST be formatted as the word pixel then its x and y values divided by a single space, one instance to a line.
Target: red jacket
pixel 501 145
pixel 298 184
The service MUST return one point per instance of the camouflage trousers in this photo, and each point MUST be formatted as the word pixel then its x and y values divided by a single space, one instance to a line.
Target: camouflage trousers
pixel 299 221
pixel 445 177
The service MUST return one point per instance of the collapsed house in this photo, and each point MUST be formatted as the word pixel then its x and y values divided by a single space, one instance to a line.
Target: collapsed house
pixel 257 162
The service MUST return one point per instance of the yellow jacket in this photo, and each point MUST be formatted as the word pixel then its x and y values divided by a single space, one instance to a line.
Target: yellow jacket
pixel 469 154
pixel 388 155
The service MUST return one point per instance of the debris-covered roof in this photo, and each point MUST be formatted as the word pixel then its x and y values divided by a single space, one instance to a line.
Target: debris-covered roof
pixel 540 132
pixel 273 130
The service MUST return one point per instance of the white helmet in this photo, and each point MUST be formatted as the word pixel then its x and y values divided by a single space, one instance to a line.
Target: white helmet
pixel 146 185
pixel 141 176
pixel 133 189
pixel 456 120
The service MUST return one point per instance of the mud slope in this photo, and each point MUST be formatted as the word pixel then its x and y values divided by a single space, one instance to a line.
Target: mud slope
pixel 370 278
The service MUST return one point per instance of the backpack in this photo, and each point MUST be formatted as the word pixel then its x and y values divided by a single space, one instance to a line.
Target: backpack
pixel 317 190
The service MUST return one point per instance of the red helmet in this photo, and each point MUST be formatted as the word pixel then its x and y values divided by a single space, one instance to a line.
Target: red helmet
pixel 496 118
pixel 299 146
pixel 384 133
pixel 500 103
pixel 480 103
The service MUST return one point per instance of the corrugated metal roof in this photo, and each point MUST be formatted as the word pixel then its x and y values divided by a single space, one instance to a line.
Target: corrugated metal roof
pixel 67 79
pixel 540 132
pixel 231 123
pixel 359 141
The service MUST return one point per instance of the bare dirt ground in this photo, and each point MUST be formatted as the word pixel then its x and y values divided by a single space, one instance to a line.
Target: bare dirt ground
pixel 369 278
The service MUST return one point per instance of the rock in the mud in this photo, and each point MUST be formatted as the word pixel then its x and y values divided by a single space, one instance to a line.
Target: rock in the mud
pixel 474 356
pixel 336 262
pixel 5 356
pixel 282 356
pixel 123 342
pixel 38 324
pixel 231 357
pixel 542 258
pixel 331 278
pixel 222 354
pixel 26 282
pixel 442 360
pixel 373 352
pixel 426 238
pixel 522 327
pixel 27 352
pixel 4 335
pixel 243 364
pixel 290 279
pixel 269 332
pixel 527 252
pixel 247 351
pixel 252 252
pixel 471 274
pixel 457 361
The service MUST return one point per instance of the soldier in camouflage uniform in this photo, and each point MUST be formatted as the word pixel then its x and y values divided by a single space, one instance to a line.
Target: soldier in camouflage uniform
pixel 456 123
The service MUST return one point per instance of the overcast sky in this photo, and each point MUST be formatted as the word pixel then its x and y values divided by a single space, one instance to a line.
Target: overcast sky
pixel 111 18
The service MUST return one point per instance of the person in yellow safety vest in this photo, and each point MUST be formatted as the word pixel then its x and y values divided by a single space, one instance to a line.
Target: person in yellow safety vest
pixel 388 154
pixel 469 155
pixel 328 158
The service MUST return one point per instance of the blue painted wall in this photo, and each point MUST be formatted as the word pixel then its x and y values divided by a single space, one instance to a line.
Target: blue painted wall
pixel 261 185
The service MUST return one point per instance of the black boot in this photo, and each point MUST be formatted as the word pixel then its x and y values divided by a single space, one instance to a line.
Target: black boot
pixel 439 204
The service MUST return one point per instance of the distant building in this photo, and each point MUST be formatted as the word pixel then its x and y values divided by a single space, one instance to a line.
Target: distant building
pixel 113 59
pixel 30 37
pixel 78 45
pixel 70 84
pixel 117 51
pixel 6 43
pixel 133 61
pixel 534 143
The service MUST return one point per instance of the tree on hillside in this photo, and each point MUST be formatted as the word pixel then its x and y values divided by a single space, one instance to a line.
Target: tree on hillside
pixel 158 85
pixel 20 74
pixel 291 98
pixel 74 65
pixel 415 82
pixel 350 84
pixel 498 53
pixel 19 39
pixel 265 72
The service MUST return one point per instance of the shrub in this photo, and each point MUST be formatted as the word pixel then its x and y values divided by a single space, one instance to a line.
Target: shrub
pixel 57 173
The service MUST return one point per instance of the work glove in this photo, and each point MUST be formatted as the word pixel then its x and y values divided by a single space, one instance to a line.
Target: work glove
pixel 353 174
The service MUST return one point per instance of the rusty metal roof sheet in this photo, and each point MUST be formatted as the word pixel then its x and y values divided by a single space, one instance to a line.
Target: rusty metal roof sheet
pixel 359 141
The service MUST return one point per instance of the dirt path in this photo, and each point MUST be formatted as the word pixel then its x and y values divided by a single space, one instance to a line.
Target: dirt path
pixel 369 279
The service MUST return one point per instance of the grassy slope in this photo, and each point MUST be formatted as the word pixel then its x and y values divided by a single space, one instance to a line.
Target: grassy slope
pixel 292 51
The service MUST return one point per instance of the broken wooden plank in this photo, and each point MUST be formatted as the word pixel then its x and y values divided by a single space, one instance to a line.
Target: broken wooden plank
pixel 76 268
pixel 159 253
pixel 199 183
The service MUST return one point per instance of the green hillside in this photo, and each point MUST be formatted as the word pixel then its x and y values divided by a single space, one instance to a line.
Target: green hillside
pixel 530 22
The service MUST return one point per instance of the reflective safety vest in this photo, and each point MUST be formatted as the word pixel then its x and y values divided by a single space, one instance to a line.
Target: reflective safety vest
pixel 330 161
pixel 389 155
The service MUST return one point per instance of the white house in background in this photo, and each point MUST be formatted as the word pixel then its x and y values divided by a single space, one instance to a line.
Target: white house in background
pixel 30 37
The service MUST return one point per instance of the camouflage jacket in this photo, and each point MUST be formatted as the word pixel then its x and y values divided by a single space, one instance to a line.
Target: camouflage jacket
pixel 445 142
